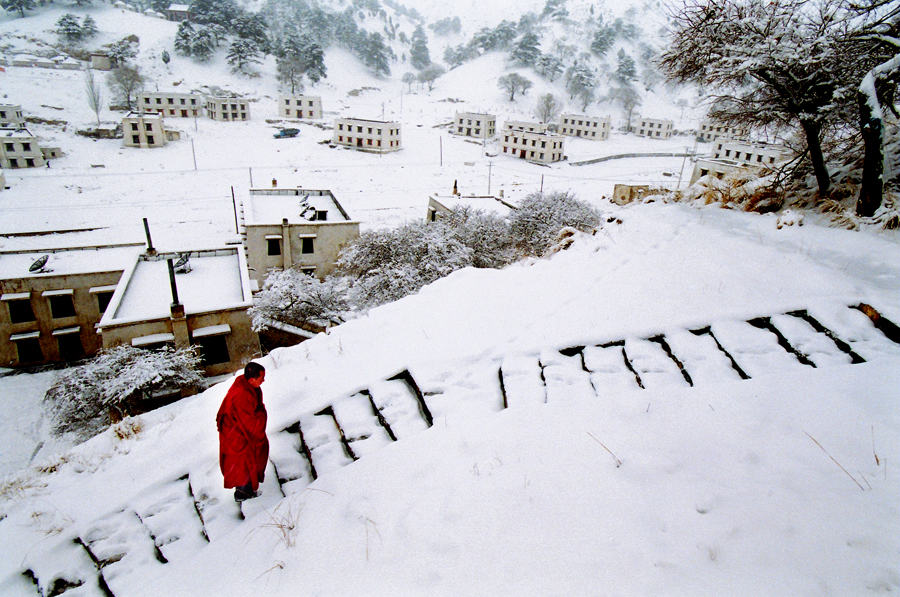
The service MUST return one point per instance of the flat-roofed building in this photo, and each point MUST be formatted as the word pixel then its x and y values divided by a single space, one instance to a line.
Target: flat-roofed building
pixel 143 130
pixel 213 292
pixel 655 129
pixel 525 126
pixel 300 106
pixel 593 128
pixel 53 299
pixel 367 135
pixel 19 149
pixel 751 154
pixel 439 206
pixel 540 148
pixel 471 124
pixel 228 109
pixel 11 116
pixel 300 228
pixel 170 104
pixel 710 131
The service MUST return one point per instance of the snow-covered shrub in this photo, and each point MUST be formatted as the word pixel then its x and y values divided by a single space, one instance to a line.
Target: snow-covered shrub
pixel 294 297
pixel 386 265
pixel 540 217
pixel 485 233
pixel 85 399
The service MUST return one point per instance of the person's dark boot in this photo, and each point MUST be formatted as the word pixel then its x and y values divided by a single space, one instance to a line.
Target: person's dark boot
pixel 244 492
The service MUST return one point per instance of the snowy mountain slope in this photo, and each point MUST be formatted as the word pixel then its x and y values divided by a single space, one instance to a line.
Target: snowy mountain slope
pixel 528 499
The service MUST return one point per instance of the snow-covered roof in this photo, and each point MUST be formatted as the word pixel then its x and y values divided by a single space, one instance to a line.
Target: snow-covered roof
pixel 16 133
pixel 272 206
pixel 68 261
pixel 218 280
pixel 483 202
pixel 179 7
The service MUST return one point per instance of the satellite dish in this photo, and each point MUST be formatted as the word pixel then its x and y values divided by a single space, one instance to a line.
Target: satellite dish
pixel 183 265
pixel 38 265
pixel 309 213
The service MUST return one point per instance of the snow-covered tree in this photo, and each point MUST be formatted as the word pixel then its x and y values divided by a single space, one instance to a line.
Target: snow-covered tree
pixel 484 233
pixel 124 82
pixel 165 57
pixel 94 95
pixel 528 50
pixel 19 6
pixel 409 79
pixel 514 83
pixel 203 44
pixel 294 297
pixel 547 108
pixel 89 28
pixel 626 71
pixel 376 54
pixel 603 39
pixel 69 29
pixel 580 78
pixel 85 399
pixel 431 74
pixel 446 26
pixel 289 71
pixel 460 54
pixel 184 38
pixel 628 99
pixel 419 57
pixel 540 217
pixel 241 54
pixel 123 50
pixel 549 66
pixel 771 63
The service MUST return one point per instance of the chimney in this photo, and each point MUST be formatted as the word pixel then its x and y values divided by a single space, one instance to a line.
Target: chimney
pixel 455 190
pixel 274 183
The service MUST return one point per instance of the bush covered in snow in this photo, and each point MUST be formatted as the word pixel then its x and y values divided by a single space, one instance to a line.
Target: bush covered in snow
pixel 293 297
pixel 85 399
pixel 534 225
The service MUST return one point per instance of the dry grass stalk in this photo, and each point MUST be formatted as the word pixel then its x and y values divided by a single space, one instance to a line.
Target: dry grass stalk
pixel 618 462
pixel 836 462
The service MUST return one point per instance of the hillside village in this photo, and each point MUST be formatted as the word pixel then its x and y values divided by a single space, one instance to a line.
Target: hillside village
pixel 152 214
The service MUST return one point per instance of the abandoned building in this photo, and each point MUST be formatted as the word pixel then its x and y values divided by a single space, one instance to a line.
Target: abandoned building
pixel 655 129
pixel 540 148
pixel 300 106
pixel 170 104
pixel 227 109
pixel 470 124
pixel 593 128
pixel 367 135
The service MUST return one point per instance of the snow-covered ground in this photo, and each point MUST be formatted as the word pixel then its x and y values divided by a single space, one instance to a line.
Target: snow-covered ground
pixel 527 458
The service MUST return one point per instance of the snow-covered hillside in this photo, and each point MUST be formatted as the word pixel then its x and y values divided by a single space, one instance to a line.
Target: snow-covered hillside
pixel 625 417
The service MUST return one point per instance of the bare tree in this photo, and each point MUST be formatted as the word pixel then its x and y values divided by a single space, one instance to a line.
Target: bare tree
pixel 125 81
pixel 514 83
pixel 94 95
pixel 548 108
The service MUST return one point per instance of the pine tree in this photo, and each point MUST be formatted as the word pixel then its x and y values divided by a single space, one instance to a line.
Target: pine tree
pixel 19 6
pixel 549 66
pixel 626 72
pixel 580 77
pixel 165 57
pixel 289 71
pixel 184 39
pixel 603 39
pixel 312 59
pixel 203 44
pixel 418 52
pixel 89 28
pixel 375 54
pixel 68 28
pixel 527 51
pixel 241 54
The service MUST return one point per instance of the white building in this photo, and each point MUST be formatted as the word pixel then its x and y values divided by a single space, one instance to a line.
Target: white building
pixel 19 149
pixel 470 124
pixel 227 108
pixel 299 228
pixel 751 154
pixel 441 205
pixel 525 126
pixel 585 127
pixel 710 132
pixel 170 104
pixel 143 130
pixel 367 135
pixel 11 117
pixel 540 148
pixel 300 106
pixel 655 129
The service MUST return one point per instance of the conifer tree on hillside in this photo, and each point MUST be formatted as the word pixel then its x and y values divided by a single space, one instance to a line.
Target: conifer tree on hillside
pixel 19 6
pixel 527 51
pixel 89 28
pixel 69 29
pixel 549 66
pixel 626 71
pixel 241 54
pixel 419 57
pixel 203 44
pixel 184 38
pixel 580 79
pixel 430 74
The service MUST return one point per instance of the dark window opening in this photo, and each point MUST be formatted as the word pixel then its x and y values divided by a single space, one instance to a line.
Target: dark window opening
pixel 70 347
pixel 20 311
pixel 213 349
pixel 103 299
pixel 29 350
pixel 62 306
pixel 274 246
pixel 307 245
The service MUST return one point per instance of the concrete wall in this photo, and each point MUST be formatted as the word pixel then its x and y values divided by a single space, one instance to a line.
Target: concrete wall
pixel 367 135
pixel 329 239
pixel 300 106
pixel 534 147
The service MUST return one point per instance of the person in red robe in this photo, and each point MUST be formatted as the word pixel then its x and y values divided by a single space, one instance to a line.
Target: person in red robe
pixel 243 445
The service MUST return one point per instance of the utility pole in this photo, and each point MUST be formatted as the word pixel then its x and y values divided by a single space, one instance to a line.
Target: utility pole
pixel 490 164
pixel 194 153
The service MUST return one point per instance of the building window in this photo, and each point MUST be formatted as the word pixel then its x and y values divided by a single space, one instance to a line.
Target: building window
pixel 29 350
pixel 9 146
pixel 70 347
pixel 307 246
pixel 150 140
pixel 61 305
pixel 20 311
pixel 103 299
pixel 26 146
pixel 213 349
pixel 274 246
pixel 136 139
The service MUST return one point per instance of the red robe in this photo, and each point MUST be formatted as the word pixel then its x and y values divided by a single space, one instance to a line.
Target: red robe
pixel 243 446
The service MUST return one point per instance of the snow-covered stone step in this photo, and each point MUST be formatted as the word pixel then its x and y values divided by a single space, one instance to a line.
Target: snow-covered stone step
pixel 702 358
pixel 400 405
pixel 755 350
pixel 566 378
pixel 856 329
pixel 172 518
pixel 655 368
pixel 818 347
pixel 358 419
pixel 323 439
pixel 522 381
pixel 609 369
pixel 289 461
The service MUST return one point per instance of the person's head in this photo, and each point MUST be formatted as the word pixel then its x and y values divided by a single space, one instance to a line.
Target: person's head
pixel 255 374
